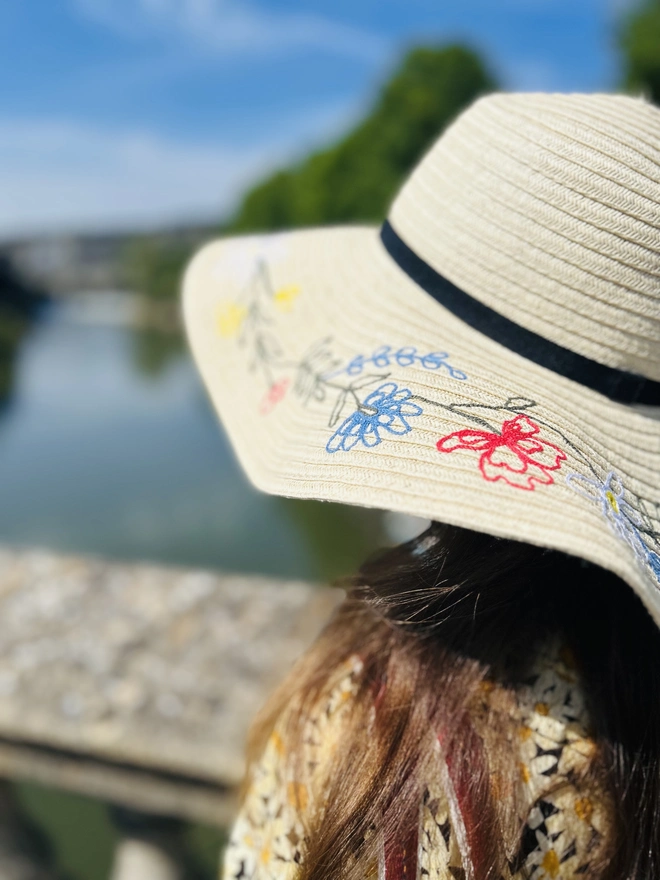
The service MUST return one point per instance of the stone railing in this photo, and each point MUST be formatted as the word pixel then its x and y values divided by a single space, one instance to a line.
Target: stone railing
pixel 136 684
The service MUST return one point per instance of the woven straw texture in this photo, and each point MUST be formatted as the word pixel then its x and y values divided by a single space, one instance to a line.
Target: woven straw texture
pixel 338 378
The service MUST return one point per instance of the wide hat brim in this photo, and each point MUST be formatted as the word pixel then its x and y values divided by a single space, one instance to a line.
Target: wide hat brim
pixel 338 378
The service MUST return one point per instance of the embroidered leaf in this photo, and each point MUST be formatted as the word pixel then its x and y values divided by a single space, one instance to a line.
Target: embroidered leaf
pixel 519 404
pixel 338 408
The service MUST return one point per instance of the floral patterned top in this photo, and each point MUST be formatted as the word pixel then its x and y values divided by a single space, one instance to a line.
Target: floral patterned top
pixel 566 825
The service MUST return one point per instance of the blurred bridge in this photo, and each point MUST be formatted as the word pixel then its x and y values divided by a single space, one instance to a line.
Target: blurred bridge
pixel 61 263
pixel 135 684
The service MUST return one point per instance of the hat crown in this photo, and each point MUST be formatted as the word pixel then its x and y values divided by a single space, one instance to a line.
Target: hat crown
pixel 546 209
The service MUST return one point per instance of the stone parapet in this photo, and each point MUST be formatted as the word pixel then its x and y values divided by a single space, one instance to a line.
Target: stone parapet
pixel 136 683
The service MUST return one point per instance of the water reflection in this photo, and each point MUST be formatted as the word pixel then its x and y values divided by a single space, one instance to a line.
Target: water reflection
pixel 111 448
pixel 19 307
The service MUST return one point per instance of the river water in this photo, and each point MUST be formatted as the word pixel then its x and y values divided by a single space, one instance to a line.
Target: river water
pixel 100 455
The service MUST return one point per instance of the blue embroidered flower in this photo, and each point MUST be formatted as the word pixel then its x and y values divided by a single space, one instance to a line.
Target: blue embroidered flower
pixel 405 356
pixel 654 562
pixel 624 520
pixel 386 409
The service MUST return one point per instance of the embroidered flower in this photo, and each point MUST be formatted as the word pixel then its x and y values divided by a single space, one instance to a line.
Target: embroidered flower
pixel 653 560
pixel 545 862
pixel 517 455
pixel 624 520
pixel 273 396
pixel 229 319
pixel 388 409
pixel 286 296
pixel 240 259
pixel 406 356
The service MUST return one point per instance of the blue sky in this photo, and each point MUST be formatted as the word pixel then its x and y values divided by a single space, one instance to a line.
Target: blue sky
pixel 126 113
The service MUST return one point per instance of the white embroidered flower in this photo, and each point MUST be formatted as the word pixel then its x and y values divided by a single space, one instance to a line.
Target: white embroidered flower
pixel 240 260
pixel 623 519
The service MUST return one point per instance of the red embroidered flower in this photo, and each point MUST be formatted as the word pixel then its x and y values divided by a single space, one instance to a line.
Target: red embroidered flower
pixel 517 455
pixel 273 396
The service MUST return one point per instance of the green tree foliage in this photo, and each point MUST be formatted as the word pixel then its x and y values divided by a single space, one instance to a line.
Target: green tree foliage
pixel 154 268
pixel 356 179
pixel 640 43
pixel 352 181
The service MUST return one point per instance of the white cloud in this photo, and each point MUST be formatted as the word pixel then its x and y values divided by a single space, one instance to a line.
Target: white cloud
pixel 533 74
pixel 60 175
pixel 234 25
pixel 622 7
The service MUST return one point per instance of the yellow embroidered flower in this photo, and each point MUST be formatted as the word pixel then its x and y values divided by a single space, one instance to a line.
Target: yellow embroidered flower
pixel 277 743
pixel 286 296
pixel 584 809
pixel 264 855
pixel 297 795
pixel 229 319
pixel 550 863
pixel 611 498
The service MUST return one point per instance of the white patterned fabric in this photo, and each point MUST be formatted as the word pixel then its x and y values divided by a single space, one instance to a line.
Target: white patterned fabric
pixel 567 816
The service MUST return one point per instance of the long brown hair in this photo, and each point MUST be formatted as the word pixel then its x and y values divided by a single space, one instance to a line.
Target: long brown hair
pixel 436 619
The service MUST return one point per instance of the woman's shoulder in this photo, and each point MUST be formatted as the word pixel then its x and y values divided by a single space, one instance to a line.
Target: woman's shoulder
pixel 267 840
pixel 564 811
pixel 569 810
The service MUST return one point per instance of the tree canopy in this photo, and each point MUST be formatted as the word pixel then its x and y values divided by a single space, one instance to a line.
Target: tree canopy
pixel 352 181
pixel 356 179
pixel 640 44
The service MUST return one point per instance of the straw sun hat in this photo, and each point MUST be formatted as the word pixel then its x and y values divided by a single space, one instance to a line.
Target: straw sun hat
pixel 490 358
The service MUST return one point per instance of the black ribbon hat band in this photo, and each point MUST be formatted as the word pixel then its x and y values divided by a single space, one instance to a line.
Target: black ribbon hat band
pixel 618 385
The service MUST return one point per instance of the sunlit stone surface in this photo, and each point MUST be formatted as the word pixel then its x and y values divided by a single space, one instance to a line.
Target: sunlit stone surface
pixel 138 669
